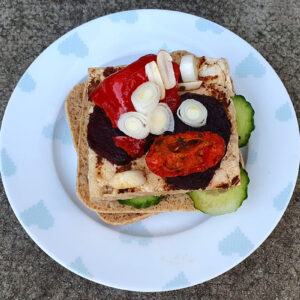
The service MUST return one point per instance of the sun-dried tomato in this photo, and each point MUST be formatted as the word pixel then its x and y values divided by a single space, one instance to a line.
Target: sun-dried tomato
pixel 185 153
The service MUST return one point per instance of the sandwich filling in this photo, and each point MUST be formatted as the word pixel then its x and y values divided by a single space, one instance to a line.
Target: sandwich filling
pixel 186 154
pixel 194 122
pixel 103 138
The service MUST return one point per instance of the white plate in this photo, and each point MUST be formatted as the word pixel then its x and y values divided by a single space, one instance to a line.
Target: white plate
pixel 168 251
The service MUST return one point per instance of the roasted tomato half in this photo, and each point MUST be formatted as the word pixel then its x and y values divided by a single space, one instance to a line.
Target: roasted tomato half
pixel 185 153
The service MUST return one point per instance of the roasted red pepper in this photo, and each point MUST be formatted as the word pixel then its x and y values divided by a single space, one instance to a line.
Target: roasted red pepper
pixel 185 153
pixel 134 147
pixel 114 93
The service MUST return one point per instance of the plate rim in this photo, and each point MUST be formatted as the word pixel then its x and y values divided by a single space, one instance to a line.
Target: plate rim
pixel 52 255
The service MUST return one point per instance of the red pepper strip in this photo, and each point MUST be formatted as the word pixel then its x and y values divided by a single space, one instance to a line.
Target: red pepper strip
pixel 114 93
pixel 134 147
pixel 185 153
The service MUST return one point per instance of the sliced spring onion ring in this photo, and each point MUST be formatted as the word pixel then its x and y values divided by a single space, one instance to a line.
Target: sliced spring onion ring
pixel 134 124
pixel 161 119
pixel 189 68
pixel 145 97
pixel 188 86
pixel 165 66
pixel 153 75
pixel 192 113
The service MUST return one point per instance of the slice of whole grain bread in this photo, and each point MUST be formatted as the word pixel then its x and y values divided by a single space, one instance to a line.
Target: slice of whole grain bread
pixel 73 109
pixel 179 202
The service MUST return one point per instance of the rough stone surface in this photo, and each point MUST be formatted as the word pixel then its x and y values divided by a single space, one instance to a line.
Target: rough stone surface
pixel 27 27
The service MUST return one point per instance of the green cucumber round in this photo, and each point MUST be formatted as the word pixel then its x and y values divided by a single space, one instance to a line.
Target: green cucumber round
pixel 244 119
pixel 142 202
pixel 220 202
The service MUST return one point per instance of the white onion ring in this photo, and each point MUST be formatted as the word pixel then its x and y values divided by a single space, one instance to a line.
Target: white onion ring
pixel 161 119
pixel 134 124
pixel 192 113
pixel 145 97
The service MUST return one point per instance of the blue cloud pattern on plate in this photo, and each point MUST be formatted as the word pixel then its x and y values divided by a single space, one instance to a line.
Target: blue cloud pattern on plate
pixel 59 132
pixel 179 281
pixel 27 83
pixel 73 45
pixel 136 232
pixel 8 166
pixel 39 215
pixel 284 113
pixel 164 46
pixel 130 17
pixel 250 66
pixel 78 266
pixel 235 242
pixel 206 25
pixel 283 197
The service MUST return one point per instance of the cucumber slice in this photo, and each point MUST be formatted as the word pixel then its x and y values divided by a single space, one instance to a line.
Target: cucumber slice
pixel 142 202
pixel 220 202
pixel 244 119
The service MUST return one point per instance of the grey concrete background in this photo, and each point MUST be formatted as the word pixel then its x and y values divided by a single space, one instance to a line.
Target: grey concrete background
pixel 28 27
